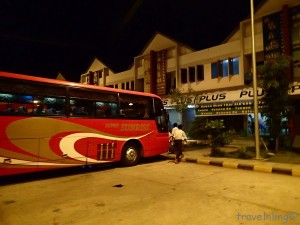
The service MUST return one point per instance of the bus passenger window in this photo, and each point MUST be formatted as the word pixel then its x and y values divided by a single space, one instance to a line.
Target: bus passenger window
pixel 146 114
pixel 6 106
pixel 11 110
pixel 122 113
pixel 80 111
pixel 39 110
pixel 50 111
pixel 15 104
pixel 160 116
pixel 52 106
pixel 22 110
pixel 136 107
pixel 81 107
pixel 106 109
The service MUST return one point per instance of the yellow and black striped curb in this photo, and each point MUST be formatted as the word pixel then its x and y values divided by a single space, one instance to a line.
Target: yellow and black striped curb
pixel 244 166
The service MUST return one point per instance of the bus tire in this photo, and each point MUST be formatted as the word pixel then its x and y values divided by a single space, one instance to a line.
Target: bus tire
pixel 131 154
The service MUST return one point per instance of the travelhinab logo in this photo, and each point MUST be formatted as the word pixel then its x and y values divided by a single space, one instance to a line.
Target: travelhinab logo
pixel 269 217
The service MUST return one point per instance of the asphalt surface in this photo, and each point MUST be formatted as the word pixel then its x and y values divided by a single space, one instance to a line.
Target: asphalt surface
pixel 155 192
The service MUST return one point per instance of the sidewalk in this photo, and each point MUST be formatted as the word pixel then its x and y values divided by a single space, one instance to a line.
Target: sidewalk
pixel 201 156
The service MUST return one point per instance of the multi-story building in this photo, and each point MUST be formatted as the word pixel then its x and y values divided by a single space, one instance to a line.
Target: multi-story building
pixel 220 76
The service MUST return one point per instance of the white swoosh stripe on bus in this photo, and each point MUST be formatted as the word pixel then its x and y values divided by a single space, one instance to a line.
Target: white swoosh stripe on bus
pixel 67 144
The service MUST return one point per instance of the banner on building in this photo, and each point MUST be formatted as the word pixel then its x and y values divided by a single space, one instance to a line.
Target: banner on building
pixel 273 44
pixel 147 87
pixel 295 36
pixel 155 72
pixel 161 73
pixel 226 102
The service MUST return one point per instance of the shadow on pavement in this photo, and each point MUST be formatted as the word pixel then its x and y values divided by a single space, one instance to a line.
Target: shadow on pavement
pixel 50 174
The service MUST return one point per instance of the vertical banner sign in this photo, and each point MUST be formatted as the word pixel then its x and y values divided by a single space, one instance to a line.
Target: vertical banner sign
pixel 295 30
pixel 272 36
pixel 153 72
pixel 161 73
pixel 147 74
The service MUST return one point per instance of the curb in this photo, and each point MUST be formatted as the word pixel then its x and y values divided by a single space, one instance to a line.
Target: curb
pixel 243 166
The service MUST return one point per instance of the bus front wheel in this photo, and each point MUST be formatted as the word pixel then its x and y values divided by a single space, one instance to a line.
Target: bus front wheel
pixel 130 154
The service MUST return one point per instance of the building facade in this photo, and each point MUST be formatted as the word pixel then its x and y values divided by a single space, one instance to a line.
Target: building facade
pixel 220 76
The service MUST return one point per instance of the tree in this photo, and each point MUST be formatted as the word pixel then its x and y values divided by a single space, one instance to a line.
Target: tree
pixel 273 78
pixel 219 135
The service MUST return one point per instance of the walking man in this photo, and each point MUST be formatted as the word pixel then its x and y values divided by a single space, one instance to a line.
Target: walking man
pixel 179 137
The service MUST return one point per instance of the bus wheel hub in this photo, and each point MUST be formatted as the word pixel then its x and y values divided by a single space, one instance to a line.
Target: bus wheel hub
pixel 131 154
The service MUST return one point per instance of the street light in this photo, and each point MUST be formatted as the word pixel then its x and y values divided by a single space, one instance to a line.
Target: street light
pixel 256 125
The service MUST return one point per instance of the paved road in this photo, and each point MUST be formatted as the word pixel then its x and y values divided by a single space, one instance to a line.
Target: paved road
pixel 156 193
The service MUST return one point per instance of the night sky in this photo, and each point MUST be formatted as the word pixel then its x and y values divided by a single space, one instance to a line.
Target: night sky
pixel 44 37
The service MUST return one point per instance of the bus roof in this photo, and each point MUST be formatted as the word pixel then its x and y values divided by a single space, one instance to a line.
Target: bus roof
pixel 73 84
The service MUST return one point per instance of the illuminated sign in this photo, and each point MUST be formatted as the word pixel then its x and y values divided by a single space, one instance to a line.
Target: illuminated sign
pixel 226 102
pixel 223 108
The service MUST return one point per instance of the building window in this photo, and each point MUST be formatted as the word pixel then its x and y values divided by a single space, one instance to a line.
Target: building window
pixel 220 68
pixel 127 86
pixel 183 76
pixel 233 66
pixel 192 74
pixel 99 72
pixel 132 85
pixel 106 72
pixel 116 86
pixel 224 65
pixel 214 70
pixel 123 85
pixel 200 72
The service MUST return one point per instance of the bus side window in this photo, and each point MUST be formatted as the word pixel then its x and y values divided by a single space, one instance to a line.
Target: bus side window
pixel 10 110
pixel 160 116
pixel 122 113
pixel 16 104
pixel 106 109
pixel 50 111
pixel 80 111
pixel 22 110
pixel 136 107
pixel 38 105
pixel 52 106
pixel 101 109
pixel 6 106
pixel 81 107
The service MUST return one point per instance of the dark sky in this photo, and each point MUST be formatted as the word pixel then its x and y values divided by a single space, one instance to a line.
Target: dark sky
pixel 44 37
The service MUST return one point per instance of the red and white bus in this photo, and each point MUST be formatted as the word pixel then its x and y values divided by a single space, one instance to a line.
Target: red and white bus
pixel 49 124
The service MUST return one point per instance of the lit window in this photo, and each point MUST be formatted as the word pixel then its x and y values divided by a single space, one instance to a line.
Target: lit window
pixel 225 68
pixel 234 66
pixel 214 70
